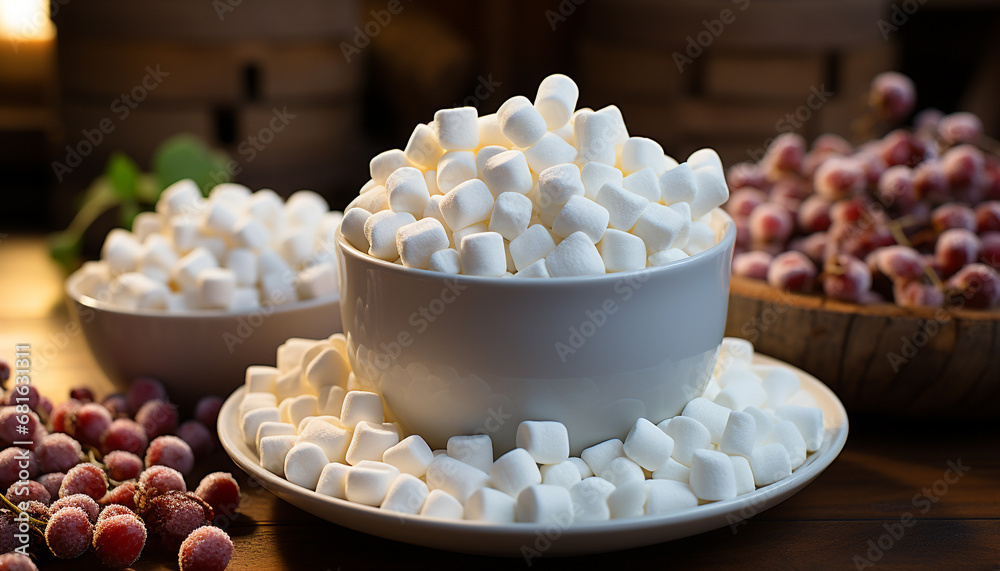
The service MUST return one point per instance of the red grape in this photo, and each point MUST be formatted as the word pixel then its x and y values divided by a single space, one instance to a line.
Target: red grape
pixel 917 294
pixel 82 394
pixel 207 411
pixel 13 430
pixel 960 128
pixel 901 148
pixel 743 201
pixel 221 491
pixel 956 248
pixel 963 167
pixel 52 482
pixel 927 120
pixel 784 155
pixel 839 178
pixel 174 515
pixel 26 490
pixel 23 394
pixel 770 223
pixel 813 246
pixel 988 217
pixel 896 188
pixel 57 452
pixel 68 533
pixel 88 422
pixel 814 215
pixel 118 540
pixel 900 262
pixel 929 182
pixel 831 143
pixel 117 405
pixel 159 480
pixel 791 271
pixel 990 251
pixel 157 418
pixel 752 264
pixel 953 215
pixel 979 284
pixel 124 434
pixel 852 280
pixel 197 437
pixel 143 390
pixel 8 528
pixel 37 510
pixel 111 510
pixel 170 451
pixel 892 95
pixel 871 165
pixel 84 479
pixel 82 501
pixel 123 465
pixel 205 549
pixel 62 412
pixel 11 469
pixel 14 561
pixel 747 174
pixel 123 494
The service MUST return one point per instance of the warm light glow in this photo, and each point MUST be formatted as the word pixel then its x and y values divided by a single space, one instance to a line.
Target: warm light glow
pixel 25 20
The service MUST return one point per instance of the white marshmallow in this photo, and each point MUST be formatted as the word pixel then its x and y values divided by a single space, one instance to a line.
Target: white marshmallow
pixel 333 480
pixel 411 455
pixel 458 235
pixel 558 184
pixel 689 435
pixel 361 406
pixel 242 263
pixel 260 378
pixel 332 439
pixel 665 496
pixel 536 269
pixel 740 434
pixel 407 191
pixel 515 471
pixel 467 204
pixel 383 165
pixel 448 261
pixel 254 418
pixel 712 475
pixel 454 168
pixel 316 281
pixel 375 200
pixel 596 175
pixel 565 133
pixel 368 482
pixel 628 500
pixel 764 423
pixel 219 218
pixel 541 503
pixel 700 238
pixel 580 214
pixel 546 441
pixel 483 254
pixel 549 151
pixel 380 230
pixel 370 441
pixel 595 135
pixel 643 182
pixel 507 171
pixel 511 214
pixel 779 384
pixel 494 506
pixel 333 403
pixel 618 122
pixel 295 245
pixel 270 262
pixel 277 289
pixel 490 133
pixel 659 226
pixel 673 470
pixel 583 467
pixel 770 463
pixel 666 257
pixel 576 255
pixel 785 432
pixel 266 206
pixel 328 367
pixel 138 290
pixel 564 474
pixel 590 499
pixel 530 246
pixel 304 463
pixel 520 122
pixel 291 384
pixel 216 287
pixel 485 154
pixel 743 474
pixel 639 153
pixel 231 193
pixel 457 478
pixel 255 400
pixel 186 270
pixel 713 416
pixel 274 429
pixel 600 455
pixel 156 250
pixel 441 504
pixel 647 445
pixel 733 351
pixel 272 451
pixel 433 210
pixel 622 470
pixel 678 184
pixel 183 234
pixel 475 450
pixel 406 495
pixel 179 198
pixel 417 241
pixel 556 100
pixel 457 129
pixel 712 191
pixel 622 251
pixel 809 421
pixel 300 407
pixel 737 374
pixel 705 158
pixel 289 354
pixel 740 394
pixel 624 207
pixel 353 228
pixel 423 149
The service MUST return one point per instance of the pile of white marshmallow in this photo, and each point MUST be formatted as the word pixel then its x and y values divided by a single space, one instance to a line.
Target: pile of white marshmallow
pixel 235 251
pixel 535 190
pixel 311 426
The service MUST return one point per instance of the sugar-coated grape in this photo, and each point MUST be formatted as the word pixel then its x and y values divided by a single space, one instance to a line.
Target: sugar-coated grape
pixel 122 465
pixel 221 491
pixel 36 509
pixel 784 155
pixel 118 540
pixel 900 262
pixel 832 143
pixel 892 95
pixel 124 434
pixel 960 127
pixel 169 450
pixel 117 405
pixel 85 479
pixel 82 394
pixel 741 175
pixel 27 490
pixel 871 165
pixel 23 394
pixel 846 212
pixel 814 215
pixel 52 482
pixel 850 281
pixel 770 223
pixel 157 418
pixel 44 408
pixel 839 178
pixel 814 246
pixel 57 452
pixel 963 166
pixel 14 561
pixel 61 413
pixel 956 248
pixel 111 510
pixel 743 200
pixel 197 436
pixel 88 422
pixel 978 284
pixel 174 515
pixel 791 271
pixel 82 501
pixel 927 120
pixel 123 494
pixel 207 411
pixel 11 459
pixel 143 390
pixel 989 253
pixel 953 215
pixel 895 188
pixel 8 529
pixel 988 217
pixel 205 549
pixel 917 294
pixel 752 264
pixel 12 429
pixel 158 480
pixel 68 533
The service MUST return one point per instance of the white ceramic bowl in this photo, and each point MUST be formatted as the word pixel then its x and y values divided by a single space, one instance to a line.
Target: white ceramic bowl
pixel 463 354
pixel 194 353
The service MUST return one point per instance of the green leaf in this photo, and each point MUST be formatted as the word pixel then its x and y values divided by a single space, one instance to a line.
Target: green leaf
pixel 65 247
pixel 122 174
pixel 186 156
pixel 127 212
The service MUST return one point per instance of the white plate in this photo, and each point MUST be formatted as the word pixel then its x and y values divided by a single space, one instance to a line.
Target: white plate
pixel 519 538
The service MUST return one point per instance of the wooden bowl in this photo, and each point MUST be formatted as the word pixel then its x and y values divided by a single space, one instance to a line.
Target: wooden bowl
pixel 881 358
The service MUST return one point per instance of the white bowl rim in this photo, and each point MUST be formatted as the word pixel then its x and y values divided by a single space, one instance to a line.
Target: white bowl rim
pixel 74 294
pixel 727 240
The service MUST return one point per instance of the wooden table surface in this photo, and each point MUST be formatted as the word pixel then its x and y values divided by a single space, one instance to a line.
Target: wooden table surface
pixel 848 517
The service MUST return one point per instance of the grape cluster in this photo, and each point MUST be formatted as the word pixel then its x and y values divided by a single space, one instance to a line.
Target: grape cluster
pixel 106 477
pixel 911 218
